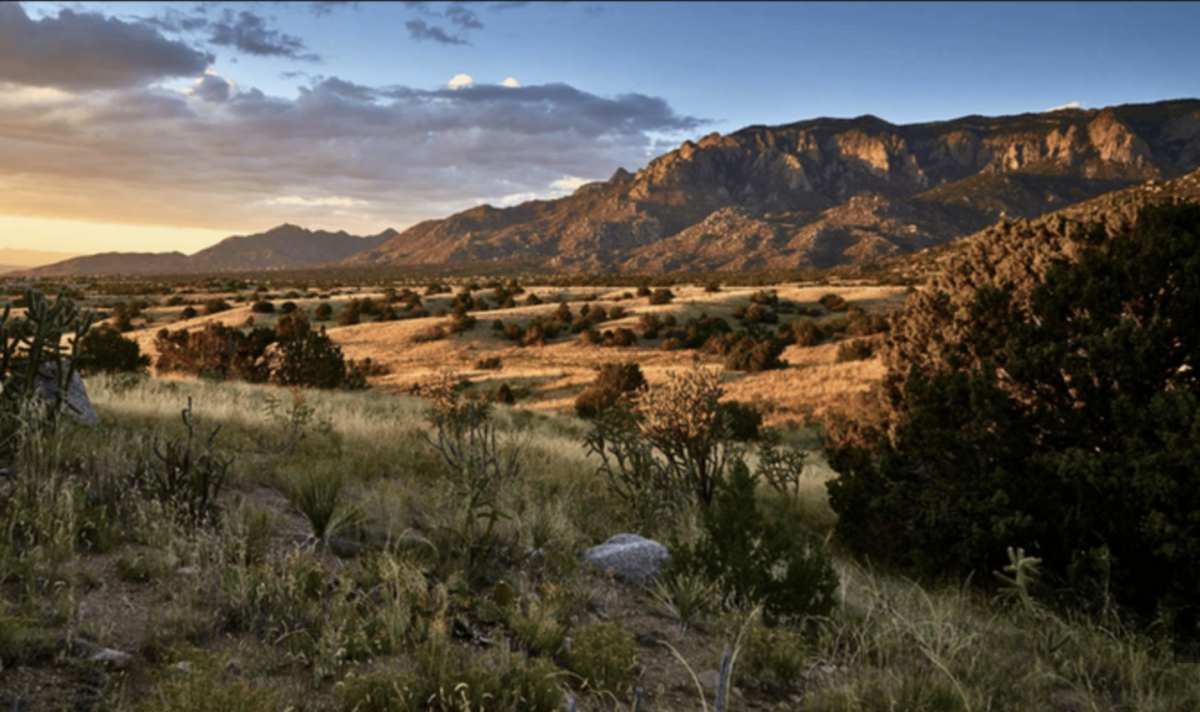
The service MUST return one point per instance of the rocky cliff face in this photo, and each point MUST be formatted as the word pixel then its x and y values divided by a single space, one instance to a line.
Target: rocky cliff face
pixel 821 192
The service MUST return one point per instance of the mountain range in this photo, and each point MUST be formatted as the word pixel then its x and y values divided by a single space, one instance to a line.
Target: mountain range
pixel 284 247
pixel 816 193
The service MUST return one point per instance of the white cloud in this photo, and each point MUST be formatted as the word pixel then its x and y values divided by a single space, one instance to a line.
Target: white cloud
pixel 569 184
pixel 1072 105
pixel 333 202
pixel 511 83
pixel 458 81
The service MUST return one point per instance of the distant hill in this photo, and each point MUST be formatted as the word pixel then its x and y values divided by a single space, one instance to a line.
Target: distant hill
pixel 284 247
pixel 13 260
pixel 820 193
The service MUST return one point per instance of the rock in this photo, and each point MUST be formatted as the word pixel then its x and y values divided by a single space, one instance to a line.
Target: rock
pixel 631 557
pixel 76 404
pixel 709 679
pixel 188 571
pixel 113 658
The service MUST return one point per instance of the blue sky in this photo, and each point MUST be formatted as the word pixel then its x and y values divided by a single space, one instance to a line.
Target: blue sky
pixel 189 121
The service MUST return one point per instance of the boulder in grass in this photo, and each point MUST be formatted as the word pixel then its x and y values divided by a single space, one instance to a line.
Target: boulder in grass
pixel 76 402
pixel 631 557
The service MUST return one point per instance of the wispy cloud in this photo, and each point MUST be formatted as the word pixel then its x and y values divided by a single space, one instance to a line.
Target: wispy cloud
pixel 420 31
pixel 249 33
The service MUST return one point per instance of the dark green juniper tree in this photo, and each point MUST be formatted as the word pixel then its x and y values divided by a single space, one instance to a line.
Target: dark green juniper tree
pixel 1066 422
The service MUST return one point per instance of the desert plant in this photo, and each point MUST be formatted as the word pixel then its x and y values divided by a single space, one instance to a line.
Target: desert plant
pixel 662 295
pixel 39 353
pixel 306 357
pixel 489 363
pixel 444 679
pixel 105 350
pixel 855 350
pixel 604 656
pixel 613 381
pixel 758 560
pixel 318 494
pixel 833 302
pixel 465 436
pixel 188 481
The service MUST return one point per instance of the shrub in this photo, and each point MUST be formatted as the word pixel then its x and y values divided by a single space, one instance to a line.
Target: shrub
pixel 662 295
pixel 833 302
pixel 806 333
pixel 323 312
pixel 263 307
pixel 855 350
pixel 490 363
pixel 216 306
pixel 188 313
pixel 1078 443
pixel 743 419
pixel 772 659
pixel 620 338
pixel 287 307
pixel 650 324
pixel 755 559
pixel 105 350
pixel 604 656
pixel 306 358
pixel 673 446
pixel 643 290
pixel 349 315
pixel 504 395
pixel 215 351
pixel 755 353
pixel 612 382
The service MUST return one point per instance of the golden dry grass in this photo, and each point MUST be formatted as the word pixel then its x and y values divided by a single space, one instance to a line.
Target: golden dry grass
pixel 549 377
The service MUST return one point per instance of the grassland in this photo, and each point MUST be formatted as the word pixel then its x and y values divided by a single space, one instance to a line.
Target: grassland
pixel 333 571
pixel 215 618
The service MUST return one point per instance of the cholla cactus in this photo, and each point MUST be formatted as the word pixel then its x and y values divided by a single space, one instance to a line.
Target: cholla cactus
pixel 44 342
pixel 683 420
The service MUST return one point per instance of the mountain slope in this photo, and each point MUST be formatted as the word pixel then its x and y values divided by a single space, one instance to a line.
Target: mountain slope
pixel 1043 237
pixel 820 192
pixel 283 247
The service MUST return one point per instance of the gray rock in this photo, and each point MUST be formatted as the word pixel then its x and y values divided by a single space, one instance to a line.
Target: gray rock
pixel 633 558
pixel 115 658
pixel 76 404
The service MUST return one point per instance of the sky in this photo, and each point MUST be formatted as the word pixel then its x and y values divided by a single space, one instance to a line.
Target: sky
pixel 169 126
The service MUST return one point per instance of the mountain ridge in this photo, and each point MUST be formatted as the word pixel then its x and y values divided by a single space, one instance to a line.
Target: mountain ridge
pixel 285 246
pixel 792 191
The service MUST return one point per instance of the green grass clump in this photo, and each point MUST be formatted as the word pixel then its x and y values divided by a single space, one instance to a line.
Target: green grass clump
pixel 452 681
pixel 204 687
pixel 604 656
pixel 317 493
pixel 772 659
